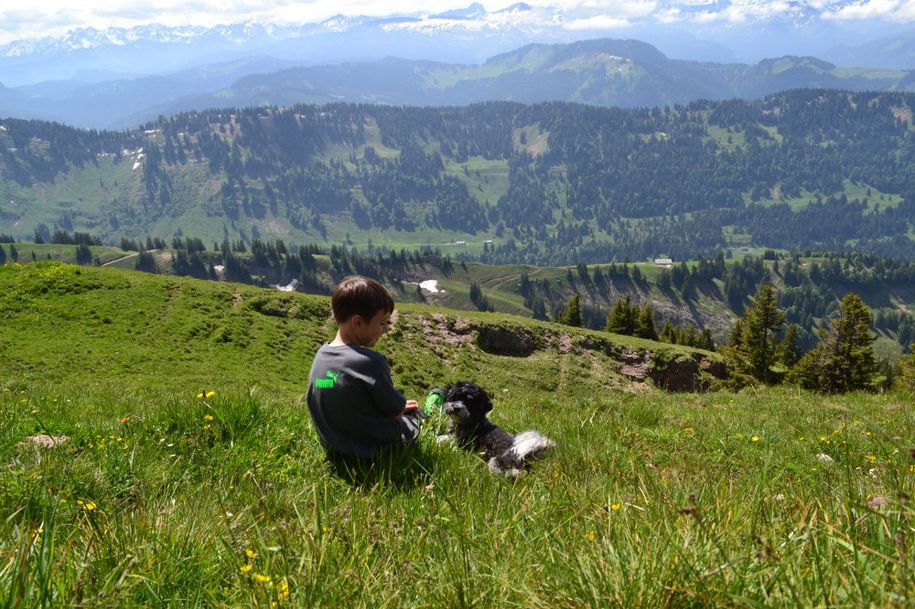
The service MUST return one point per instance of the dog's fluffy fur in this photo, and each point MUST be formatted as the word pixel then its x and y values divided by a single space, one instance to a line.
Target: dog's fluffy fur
pixel 467 404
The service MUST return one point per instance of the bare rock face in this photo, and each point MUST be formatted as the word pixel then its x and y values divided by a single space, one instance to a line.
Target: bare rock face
pixel 439 329
pixel 681 374
pixel 512 340
pixel 636 364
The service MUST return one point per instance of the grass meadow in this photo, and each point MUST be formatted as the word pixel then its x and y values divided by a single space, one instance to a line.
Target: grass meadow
pixel 191 475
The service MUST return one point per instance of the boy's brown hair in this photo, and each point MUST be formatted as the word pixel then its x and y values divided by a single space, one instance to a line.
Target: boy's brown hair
pixel 361 296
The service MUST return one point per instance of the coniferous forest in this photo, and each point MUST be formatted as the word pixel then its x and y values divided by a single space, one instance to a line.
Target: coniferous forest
pixel 552 183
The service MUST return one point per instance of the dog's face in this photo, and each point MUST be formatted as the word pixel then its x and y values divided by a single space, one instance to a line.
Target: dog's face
pixel 466 402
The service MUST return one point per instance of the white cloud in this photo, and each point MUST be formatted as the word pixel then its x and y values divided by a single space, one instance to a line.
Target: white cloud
pixel 619 8
pixel 55 17
pixel 888 10
pixel 672 15
pixel 598 22
pixel 742 11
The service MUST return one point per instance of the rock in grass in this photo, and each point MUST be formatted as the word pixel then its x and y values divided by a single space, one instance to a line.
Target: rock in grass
pixel 43 441
pixel 878 501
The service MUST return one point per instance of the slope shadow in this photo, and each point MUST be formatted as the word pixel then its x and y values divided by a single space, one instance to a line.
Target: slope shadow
pixel 403 469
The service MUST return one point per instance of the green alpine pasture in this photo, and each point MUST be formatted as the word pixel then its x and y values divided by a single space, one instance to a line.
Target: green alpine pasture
pixel 191 476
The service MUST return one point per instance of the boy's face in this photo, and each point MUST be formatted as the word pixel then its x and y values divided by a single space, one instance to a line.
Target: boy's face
pixel 368 332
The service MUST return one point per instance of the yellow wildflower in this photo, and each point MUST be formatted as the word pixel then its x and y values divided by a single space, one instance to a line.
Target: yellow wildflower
pixel 282 589
pixel 689 430
pixel 250 553
pixel 207 417
pixel 264 579
pixel 912 469
pixel 616 507
pixel 246 568
pixel 871 458
pixel 125 420
pixel 90 505
pixel 590 536
pixel 210 394
pixel 200 395
pixel 754 439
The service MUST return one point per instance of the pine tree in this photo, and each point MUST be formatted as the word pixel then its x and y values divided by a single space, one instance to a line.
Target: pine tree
pixel 83 254
pixel 644 323
pixel 538 308
pixel 571 316
pixel 14 253
pixel 668 333
pixel 788 351
pixel 853 329
pixel 621 319
pixel 705 340
pixel 2 255
pixel 843 360
pixel 145 262
pixel 751 351
pixel 736 333
pixel 758 340
pixel 477 297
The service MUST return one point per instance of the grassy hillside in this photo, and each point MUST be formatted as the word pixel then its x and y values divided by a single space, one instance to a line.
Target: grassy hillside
pixel 162 498
pixel 90 326
pixel 810 287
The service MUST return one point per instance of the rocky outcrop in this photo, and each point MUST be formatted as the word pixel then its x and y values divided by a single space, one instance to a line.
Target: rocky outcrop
pixel 668 367
pixel 505 339
pixel 682 373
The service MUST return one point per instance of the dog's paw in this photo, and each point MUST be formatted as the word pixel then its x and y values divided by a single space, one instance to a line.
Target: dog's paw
pixel 501 469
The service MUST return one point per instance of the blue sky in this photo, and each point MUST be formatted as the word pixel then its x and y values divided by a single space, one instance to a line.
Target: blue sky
pixel 55 17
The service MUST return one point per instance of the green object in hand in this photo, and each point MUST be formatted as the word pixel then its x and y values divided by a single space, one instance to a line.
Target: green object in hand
pixel 434 401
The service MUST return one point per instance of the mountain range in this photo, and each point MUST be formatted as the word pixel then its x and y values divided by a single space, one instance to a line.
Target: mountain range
pixel 719 30
pixel 605 72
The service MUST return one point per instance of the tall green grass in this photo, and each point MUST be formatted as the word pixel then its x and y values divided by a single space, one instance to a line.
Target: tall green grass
pixel 169 499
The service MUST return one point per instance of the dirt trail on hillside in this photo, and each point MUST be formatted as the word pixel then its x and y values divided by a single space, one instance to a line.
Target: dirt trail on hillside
pixel 119 259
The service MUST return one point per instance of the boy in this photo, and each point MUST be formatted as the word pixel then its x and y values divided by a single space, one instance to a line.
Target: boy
pixel 353 403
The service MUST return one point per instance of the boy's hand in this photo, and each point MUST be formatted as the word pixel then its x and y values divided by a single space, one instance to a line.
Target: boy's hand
pixel 412 406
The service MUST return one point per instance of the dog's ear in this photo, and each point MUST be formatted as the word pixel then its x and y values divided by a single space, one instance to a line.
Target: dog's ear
pixel 487 402
pixel 452 390
pixel 481 398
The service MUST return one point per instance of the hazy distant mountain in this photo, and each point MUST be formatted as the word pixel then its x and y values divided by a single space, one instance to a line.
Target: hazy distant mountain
pixel 85 103
pixel 603 72
pixel 470 35
pixel 895 52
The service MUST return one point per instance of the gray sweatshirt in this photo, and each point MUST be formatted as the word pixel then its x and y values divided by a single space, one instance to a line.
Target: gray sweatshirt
pixel 353 403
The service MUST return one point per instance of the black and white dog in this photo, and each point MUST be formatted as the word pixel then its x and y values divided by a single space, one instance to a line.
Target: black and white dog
pixel 467 404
